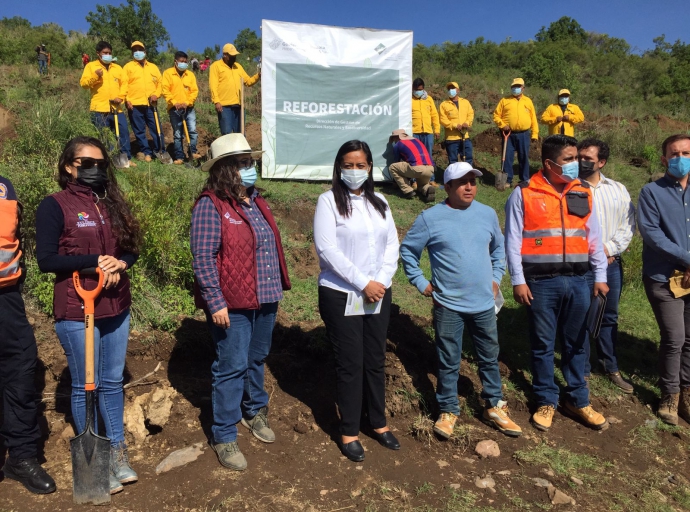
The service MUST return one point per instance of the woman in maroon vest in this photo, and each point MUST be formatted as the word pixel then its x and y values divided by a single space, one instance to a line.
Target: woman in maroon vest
pixel 89 224
pixel 240 274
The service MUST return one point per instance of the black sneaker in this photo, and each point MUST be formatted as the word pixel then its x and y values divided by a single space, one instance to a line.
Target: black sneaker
pixel 30 474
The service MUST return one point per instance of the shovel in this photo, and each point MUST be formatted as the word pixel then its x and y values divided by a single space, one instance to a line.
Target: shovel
pixel 90 452
pixel 463 134
pixel 242 106
pixel 502 177
pixel 120 160
pixel 192 162
pixel 163 156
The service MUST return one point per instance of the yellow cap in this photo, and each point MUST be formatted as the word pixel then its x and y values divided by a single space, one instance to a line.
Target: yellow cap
pixel 137 43
pixel 451 85
pixel 564 91
pixel 517 81
pixel 230 49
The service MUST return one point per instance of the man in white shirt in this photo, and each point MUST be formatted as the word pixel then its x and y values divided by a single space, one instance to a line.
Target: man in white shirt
pixel 616 214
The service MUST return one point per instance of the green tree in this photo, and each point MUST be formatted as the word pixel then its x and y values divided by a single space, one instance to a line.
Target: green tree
pixel 248 44
pixel 565 29
pixel 212 52
pixel 134 21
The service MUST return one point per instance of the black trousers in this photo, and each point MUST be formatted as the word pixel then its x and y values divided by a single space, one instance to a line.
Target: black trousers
pixel 17 363
pixel 359 345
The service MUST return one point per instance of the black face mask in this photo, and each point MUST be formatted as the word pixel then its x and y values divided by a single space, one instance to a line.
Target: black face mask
pixel 231 60
pixel 586 169
pixel 93 177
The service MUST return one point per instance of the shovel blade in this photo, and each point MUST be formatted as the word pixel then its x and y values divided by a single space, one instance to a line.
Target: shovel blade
pixel 90 468
pixel 165 157
pixel 121 161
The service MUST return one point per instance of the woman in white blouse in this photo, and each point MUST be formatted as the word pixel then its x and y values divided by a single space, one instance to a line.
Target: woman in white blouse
pixel 357 245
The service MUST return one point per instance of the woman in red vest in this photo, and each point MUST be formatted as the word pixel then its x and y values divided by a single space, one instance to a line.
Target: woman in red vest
pixel 89 224
pixel 240 274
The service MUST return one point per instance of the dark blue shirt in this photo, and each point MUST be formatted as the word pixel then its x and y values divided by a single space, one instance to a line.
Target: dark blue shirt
pixel 663 213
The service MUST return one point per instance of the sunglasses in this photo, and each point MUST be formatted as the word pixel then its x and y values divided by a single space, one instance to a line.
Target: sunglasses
pixel 86 162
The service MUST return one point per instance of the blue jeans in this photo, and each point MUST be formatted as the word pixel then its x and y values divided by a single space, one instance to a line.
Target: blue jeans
pixel 110 348
pixel 102 120
pixel 238 371
pixel 140 117
pixel 229 119
pixel 428 140
pixel 189 114
pixel 453 149
pixel 520 142
pixel 449 325
pixel 608 335
pixel 42 67
pixel 559 308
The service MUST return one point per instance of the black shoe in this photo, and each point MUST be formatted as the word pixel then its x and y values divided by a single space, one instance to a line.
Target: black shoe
pixel 353 451
pixel 387 440
pixel 30 474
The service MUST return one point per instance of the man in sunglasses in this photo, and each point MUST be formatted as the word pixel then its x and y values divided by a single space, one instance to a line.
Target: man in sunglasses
pixel 465 276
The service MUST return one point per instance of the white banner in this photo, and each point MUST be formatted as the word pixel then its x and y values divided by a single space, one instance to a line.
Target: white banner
pixel 322 86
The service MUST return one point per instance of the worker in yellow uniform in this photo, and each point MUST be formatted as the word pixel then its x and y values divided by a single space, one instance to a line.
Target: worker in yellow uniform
pixel 456 118
pixel 225 81
pixel 180 91
pixel 106 82
pixel 144 86
pixel 515 115
pixel 425 125
pixel 562 117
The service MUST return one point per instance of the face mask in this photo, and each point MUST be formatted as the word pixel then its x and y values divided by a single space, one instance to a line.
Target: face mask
pixel 679 167
pixel 107 58
pixel 586 169
pixel 92 177
pixel 248 176
pixel 517 91
pixel 354 178
pixel 570 171
pixel 139 55
pixel 452 93
pixel 182 66
pixel 418 94
pixel 231 60
pixel 564 101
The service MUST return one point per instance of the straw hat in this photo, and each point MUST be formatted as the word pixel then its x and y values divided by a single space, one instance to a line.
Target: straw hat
pixel 227 145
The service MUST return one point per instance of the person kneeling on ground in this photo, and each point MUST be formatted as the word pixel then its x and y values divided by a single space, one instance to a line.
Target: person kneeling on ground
pixel 412 161
pixel 466 272
pixel 240 274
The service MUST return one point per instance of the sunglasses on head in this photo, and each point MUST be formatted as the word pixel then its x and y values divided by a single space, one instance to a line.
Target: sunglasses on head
pixel 86 162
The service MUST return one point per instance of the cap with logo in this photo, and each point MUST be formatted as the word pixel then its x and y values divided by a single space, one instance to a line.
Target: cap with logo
pixel 517 81
pixel 230 49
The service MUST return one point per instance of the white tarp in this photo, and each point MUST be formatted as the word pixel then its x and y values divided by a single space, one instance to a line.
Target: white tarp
pixel 322 86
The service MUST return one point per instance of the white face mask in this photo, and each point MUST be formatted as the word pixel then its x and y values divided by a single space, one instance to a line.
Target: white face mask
pixel 354 178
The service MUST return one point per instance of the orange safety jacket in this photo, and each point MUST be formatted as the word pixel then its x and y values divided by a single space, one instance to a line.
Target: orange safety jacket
pixel 10 252
pixel 554 236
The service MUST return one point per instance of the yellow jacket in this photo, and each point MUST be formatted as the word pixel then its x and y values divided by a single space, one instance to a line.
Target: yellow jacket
pixel 452 116
pixel 179 89
pixel 518 114
pixel 142 81
pixel 103 89
pixel 554 111
pixel 225 82
pixel 424 116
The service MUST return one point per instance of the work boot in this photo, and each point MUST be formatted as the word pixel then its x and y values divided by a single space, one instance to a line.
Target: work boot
pixel 258 426
pixel 140 156
pixel 230 456
pixel 620 383
pixel 132 163
pixel 147 158
pixel 498 418
pixel 119 465
pixel 428 194
pixel 587 416
pixel 409 195
pixel 684 405
pixel 542 419
pixel 115 485
pixel 668 408
pixel 445 424
pixel 196 156
pixel 30 474
pixel 179 161
pixel 413 184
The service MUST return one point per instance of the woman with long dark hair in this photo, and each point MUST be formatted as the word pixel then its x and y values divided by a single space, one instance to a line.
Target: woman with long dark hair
pixel 357 245
pixel 88 224
pixel 240 274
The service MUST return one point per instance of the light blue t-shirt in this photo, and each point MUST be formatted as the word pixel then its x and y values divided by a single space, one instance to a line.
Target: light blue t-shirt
pixel 466 252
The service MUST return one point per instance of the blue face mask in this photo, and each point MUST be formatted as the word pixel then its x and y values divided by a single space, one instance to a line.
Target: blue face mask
pixel 107 58
pixel 139 55
pixel 182 66
pixel 570 171
pixel 564 101
pixel 248 176
pixel 452 93
pixel 679 167
pixel 517 91
pixel 418 94
pixel 354 178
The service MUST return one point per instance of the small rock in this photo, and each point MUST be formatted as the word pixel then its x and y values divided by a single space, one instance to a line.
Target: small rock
pixel 650 423
pixel 487 448
pixel 559 498
pixel 313 427
pixel 576 480
pixel 505 472
pixel 134 419
pixel 548 472
pixel 32 320
pixel 159 406
pixel 323 492
pixel 455 486
pixel 485 483
pixel 469 460
pixel 672 479
pixel 301 427
pixel 540 482
pixel 442 463
pixel 180 458
pixel 67 433
pixel 614 421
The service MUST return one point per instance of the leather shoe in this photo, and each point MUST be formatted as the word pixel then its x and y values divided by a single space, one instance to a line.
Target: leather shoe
pixel 387 440
pixel 353 451
pixel 30 474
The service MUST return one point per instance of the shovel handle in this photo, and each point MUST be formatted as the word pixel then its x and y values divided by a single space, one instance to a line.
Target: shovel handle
pixel 158 126
pixel 186 132
pixel 505 146
pixel 117 127
pixel 89 298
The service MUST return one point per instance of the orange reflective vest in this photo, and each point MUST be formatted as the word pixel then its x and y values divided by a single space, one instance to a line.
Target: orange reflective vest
pixel 10 254
pixel 554 236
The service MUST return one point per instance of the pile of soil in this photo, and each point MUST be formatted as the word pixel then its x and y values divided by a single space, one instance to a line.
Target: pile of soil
pixel 491 141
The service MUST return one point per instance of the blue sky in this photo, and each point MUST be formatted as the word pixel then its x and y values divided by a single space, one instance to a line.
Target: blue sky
pixel 197 24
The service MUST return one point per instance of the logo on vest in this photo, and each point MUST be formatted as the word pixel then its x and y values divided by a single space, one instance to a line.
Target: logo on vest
pixel 231 220
pixel 84 221
pixel 3 191
pixel 538 241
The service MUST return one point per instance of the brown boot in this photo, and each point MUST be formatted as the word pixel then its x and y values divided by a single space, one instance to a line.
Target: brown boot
pixel 684 405
pixel 620 382
pixel 668 408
